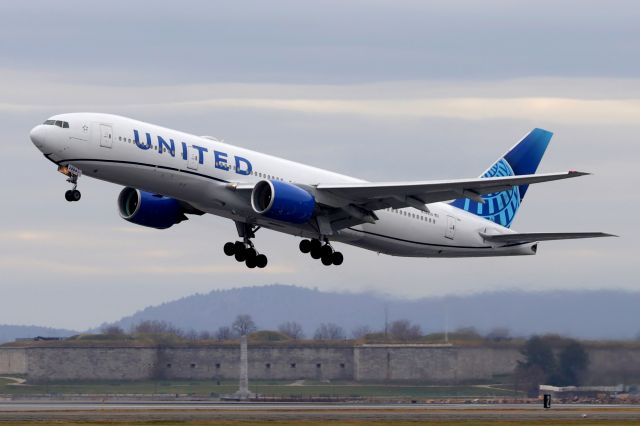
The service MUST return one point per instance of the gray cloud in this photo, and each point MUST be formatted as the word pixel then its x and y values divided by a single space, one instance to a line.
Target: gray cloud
pixel 331 41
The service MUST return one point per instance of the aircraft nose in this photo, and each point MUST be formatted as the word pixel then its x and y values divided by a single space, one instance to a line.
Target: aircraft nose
pixel 37 135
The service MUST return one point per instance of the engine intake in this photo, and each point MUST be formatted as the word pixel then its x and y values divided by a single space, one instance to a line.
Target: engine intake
pixel 282 201
pixel 147 209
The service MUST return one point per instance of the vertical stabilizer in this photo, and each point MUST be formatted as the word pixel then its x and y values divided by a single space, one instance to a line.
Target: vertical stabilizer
pixel 522 159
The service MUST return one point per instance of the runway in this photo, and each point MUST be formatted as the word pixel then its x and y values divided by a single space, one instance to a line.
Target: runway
pixel 183 411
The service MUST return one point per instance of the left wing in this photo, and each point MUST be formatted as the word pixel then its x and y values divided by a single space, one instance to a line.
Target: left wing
pixel 375 196
pixel 533 237
pixel 348 204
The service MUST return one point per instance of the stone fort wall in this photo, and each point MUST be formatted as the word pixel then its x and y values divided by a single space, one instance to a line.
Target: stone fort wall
pixel 13 361
pixel 375 363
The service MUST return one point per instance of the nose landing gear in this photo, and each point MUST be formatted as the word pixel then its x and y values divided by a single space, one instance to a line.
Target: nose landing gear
pixel 73 174
pixel 324 252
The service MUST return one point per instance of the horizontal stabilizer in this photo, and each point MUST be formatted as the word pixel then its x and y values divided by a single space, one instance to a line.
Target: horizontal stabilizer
pixel 533 237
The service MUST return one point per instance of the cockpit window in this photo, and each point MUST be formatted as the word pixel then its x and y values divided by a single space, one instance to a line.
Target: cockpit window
pixel 63 124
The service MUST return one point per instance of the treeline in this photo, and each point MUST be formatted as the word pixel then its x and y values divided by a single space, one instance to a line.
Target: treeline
pixel 396 331
pixel 551 360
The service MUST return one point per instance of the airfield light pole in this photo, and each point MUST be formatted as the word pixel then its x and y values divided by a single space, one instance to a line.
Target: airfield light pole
pixel 386 320
pixel 446 324
pixel 243 391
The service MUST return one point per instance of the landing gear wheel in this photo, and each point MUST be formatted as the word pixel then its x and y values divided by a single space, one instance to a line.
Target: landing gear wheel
pixel 337 258
pixel 316 253
pixel 251 262
pixel 305 246
pixel 229 249
pixel 327 254
pixel 250 253
pixel 327 251
pixel 315 245
pixel 261 261
pixel 238 247
pixel 72 195
pixel 241 255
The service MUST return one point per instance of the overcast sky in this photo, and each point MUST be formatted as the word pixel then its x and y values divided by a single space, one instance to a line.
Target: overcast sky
pixel 440 87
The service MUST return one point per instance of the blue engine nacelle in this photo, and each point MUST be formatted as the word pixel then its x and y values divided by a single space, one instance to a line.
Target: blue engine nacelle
pixel 282 201
pixel 147 209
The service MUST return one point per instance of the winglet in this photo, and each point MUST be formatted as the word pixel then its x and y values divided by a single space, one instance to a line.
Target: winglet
pixel 577 173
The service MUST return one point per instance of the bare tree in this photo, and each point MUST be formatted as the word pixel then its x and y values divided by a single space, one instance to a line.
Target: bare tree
pixel 224 333
pixel 361 331
pixel 329 331
pixel 244 325
pixel 191 335
pixel 404 330
pixel 205 335
pixel 291 329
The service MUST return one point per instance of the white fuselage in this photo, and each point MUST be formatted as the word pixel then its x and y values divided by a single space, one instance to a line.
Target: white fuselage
pixel 201 171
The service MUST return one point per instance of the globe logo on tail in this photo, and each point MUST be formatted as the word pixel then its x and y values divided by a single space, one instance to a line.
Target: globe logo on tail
pixel 499 207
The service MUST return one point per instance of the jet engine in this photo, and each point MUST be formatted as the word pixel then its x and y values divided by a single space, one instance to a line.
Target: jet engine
pixel 147 209
pixel 282 201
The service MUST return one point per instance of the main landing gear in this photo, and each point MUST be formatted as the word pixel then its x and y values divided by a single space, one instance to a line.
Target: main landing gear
pixel 324 252
pixel 244 251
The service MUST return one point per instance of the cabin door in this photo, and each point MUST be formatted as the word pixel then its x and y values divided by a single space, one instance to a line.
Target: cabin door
pixel 106 136
pixel 451 228
pixel 192 159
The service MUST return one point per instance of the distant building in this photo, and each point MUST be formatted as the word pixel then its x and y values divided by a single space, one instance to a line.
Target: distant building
pixel 568 392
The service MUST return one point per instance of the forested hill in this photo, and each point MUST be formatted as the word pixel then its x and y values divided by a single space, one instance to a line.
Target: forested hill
pixel 584 314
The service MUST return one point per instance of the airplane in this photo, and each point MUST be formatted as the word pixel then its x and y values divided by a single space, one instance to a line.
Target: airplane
pixel 168 174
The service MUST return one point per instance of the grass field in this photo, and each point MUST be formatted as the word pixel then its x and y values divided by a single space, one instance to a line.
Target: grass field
pixel 282 389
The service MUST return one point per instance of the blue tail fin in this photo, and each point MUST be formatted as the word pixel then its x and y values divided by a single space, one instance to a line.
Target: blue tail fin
pixel 522 159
